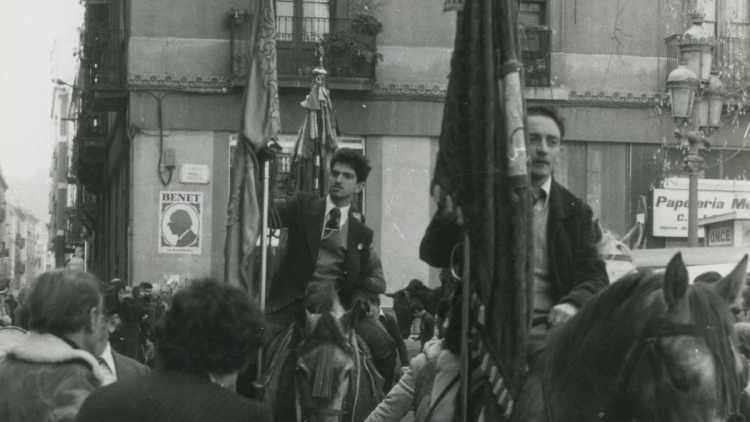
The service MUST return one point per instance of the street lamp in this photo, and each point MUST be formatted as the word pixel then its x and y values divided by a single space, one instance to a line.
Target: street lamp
pixel 697 99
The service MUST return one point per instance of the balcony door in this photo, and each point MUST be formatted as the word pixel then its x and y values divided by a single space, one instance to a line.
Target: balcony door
pixel 299 25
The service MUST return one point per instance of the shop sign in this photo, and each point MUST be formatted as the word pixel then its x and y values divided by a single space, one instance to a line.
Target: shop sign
pixel 671 209
pixel 721 234
pixel 180 222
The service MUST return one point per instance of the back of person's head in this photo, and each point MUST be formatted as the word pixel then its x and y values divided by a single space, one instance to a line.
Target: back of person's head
pixel 211 327
pixel 708 277
pixel 548 111
pixel 111 294
pixel 146 285
pixel 60 301
pixel 354 159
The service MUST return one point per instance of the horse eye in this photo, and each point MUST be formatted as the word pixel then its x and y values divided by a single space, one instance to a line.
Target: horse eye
pixel 680 383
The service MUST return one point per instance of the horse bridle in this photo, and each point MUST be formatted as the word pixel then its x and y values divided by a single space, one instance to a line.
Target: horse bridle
pixel 333 412
pixel 653 346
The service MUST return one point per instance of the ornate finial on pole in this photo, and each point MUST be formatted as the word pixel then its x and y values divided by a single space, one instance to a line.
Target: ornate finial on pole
pixel 319 72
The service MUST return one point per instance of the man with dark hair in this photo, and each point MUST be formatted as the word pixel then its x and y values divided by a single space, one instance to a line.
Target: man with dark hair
pixel 426 323
pixel 204 340
pixel 323 242
pixel 48 375
pixel 113 365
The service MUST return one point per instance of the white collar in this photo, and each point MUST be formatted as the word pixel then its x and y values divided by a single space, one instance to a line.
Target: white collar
pixel 546 187
pixel 109 359
pixel 344 211
pixel 380 311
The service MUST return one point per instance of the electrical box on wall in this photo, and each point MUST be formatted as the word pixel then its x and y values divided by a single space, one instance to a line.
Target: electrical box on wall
pixel 168 159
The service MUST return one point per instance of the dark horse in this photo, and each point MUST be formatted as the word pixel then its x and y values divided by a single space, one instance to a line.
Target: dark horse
pixel 318 370
pixel 648 348
pixel 404 303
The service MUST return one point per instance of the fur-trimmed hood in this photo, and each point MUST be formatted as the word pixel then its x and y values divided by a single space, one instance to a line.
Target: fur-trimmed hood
pixel 47 348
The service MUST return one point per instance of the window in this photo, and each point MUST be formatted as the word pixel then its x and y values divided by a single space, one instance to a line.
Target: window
pixel 302 20
pixel 734 17
pixel 532 13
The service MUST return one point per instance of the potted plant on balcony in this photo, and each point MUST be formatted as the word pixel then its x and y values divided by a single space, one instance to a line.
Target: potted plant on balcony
pixel 365 23
pixel 338 46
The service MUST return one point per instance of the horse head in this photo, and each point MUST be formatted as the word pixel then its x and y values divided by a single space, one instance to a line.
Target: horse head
pixel 650 347
pixel 327 358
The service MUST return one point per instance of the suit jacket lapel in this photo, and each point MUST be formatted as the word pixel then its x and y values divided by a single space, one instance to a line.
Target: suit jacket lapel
pixel 314 218
pixel 352 247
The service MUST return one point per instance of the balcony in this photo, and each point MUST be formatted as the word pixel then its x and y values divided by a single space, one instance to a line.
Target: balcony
pixel 535 53
pixel 296 39
pixel 732 56
pixel 90 147
pixel 103 67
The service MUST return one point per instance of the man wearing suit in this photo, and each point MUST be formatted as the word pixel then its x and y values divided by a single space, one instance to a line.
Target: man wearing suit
pixel 324 242
pixel 114 366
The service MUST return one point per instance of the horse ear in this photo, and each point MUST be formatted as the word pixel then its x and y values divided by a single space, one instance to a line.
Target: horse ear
pixel 390 295
pixel 730 286
pixel 350 319
pixel 598 232
pixel 675 281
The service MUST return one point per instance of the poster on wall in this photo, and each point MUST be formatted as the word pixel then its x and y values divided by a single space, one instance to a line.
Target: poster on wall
pixel 180 222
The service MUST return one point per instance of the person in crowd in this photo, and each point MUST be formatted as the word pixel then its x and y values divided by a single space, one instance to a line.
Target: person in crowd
pixel 204 340
pixel 21 314
pixel 568 270
pixel 48 374
pixel 12 304
pixel 743 335
pixel 389 321
pixel 127 339
pixel 113 365
pixel 6 315
pixel 441 316
pixel 430 385
pixel 161 305
pixel 426 324
pixel 323 242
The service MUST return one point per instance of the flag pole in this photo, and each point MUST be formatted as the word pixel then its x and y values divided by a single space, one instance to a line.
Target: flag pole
pixel 264 251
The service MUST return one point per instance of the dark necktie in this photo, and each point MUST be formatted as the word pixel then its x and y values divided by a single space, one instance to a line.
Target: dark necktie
pixel 332 221
pixel 537 199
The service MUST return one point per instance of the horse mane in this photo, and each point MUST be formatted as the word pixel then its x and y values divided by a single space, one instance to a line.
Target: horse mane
pixel 326 330
pixel 626 310
pixel 321 297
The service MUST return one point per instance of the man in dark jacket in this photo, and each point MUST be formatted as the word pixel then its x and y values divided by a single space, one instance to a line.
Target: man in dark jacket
pixel 323 242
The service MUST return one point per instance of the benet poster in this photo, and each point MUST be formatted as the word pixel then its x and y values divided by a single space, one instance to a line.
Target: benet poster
pixel 180 222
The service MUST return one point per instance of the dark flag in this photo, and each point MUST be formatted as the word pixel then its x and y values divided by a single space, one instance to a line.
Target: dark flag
pixel 482 166
pixel 260 124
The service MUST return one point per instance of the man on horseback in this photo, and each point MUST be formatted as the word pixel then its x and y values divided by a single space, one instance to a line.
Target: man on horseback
pixel 324 243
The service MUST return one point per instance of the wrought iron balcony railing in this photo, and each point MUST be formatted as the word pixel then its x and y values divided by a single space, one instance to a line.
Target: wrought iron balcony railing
pixel 732 56
pixel 535 52
pixel 103 57
pixel 351 56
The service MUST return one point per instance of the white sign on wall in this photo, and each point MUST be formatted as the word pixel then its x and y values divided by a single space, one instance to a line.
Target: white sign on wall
pixel 194 173
pixel 180 222
pixel 671 209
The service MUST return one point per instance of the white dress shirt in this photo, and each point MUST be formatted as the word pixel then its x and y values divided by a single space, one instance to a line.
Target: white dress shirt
pixel 108 366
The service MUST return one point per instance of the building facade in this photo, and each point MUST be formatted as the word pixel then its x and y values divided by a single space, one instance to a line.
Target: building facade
pixel 162 91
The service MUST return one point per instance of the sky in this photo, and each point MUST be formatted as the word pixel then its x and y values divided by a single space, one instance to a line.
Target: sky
pixel 29 30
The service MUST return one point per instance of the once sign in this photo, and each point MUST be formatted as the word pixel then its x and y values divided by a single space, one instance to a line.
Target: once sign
pixel 671 209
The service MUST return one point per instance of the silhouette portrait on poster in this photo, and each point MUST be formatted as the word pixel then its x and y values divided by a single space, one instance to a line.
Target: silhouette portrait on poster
pixel 180 222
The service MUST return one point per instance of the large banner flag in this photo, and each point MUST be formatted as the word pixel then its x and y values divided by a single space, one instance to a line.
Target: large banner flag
pixel 482 166
pixel 261 120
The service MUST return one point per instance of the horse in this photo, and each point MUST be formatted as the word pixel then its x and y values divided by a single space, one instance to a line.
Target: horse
pixel 318 370
pixel 650 347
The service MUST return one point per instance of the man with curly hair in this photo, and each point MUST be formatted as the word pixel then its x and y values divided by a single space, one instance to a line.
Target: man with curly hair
pixel 204 340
